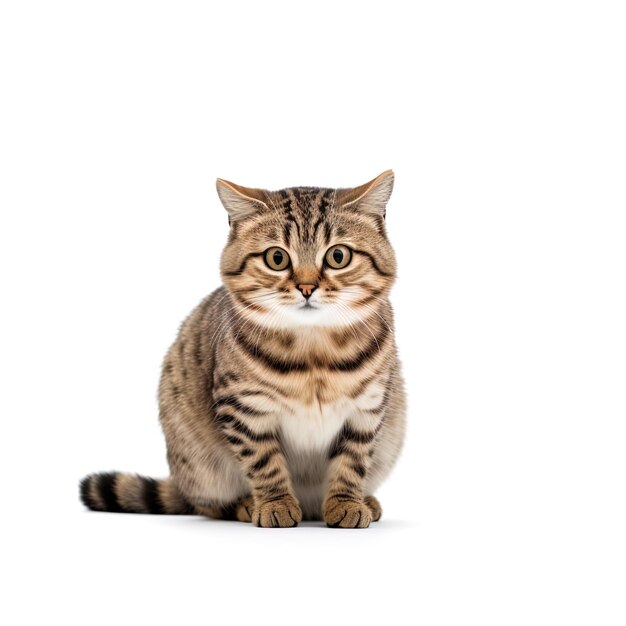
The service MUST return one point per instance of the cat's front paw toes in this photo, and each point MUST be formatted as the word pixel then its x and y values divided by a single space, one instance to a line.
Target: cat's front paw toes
pixel 281 513
pixel 374 507
pixel 340 513
pixel 244 509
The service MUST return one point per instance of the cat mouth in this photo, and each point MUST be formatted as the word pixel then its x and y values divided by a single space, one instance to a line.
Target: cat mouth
pixel 307 306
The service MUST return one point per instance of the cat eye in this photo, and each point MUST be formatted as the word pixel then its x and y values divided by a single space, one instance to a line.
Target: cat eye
pixel 277 259
pixel 338 256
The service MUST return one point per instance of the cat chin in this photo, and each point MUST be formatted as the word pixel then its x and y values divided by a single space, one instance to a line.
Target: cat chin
pixel 289 318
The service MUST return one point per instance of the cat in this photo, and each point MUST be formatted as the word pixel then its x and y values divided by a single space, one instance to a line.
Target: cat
pixel 282 397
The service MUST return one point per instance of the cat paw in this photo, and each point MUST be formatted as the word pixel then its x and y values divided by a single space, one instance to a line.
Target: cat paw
pixel 281 513
pixel 244 509
pixel 374 506
pixel 340 513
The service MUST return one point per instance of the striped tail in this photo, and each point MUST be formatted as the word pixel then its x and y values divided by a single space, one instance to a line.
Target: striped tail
pixel 131 493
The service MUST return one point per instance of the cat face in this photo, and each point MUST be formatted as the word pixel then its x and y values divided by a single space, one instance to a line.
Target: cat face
pixel 306 256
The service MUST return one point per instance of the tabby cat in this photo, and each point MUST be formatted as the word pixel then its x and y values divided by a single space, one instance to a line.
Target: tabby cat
pixel 282 397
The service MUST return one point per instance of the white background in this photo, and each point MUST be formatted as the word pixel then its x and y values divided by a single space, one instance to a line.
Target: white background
pixel 505 125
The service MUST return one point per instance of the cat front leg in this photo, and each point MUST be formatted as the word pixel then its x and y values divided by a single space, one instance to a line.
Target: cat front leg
pixel 345 504
pixel 255 443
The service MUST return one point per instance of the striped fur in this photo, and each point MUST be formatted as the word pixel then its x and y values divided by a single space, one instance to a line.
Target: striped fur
pixel 278 407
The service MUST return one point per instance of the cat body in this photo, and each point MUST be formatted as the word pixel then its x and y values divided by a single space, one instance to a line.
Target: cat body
pixel 281 398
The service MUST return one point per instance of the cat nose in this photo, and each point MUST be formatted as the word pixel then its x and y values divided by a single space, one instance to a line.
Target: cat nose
pixel 307 289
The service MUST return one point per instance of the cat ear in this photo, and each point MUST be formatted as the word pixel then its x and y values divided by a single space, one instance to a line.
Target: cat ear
pixel 371 197
pixel 240 202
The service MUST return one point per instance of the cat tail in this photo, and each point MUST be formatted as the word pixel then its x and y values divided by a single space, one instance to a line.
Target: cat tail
pixel 131 493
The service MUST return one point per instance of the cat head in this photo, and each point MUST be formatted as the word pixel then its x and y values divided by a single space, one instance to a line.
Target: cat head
pixel 306 256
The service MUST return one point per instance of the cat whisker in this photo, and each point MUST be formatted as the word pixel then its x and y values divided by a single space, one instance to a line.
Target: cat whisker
pixel 343 306
pixel 371 308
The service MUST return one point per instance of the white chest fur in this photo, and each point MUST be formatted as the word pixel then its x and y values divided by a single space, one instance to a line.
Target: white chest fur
pixel 312 427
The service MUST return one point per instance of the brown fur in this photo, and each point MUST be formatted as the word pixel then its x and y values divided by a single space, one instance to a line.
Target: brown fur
pixel 274 411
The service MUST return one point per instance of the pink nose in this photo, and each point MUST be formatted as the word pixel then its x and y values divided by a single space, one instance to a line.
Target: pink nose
pixel 307 289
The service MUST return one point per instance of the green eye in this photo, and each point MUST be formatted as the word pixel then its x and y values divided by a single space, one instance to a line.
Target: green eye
pixel 277 259
pixel 338 256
